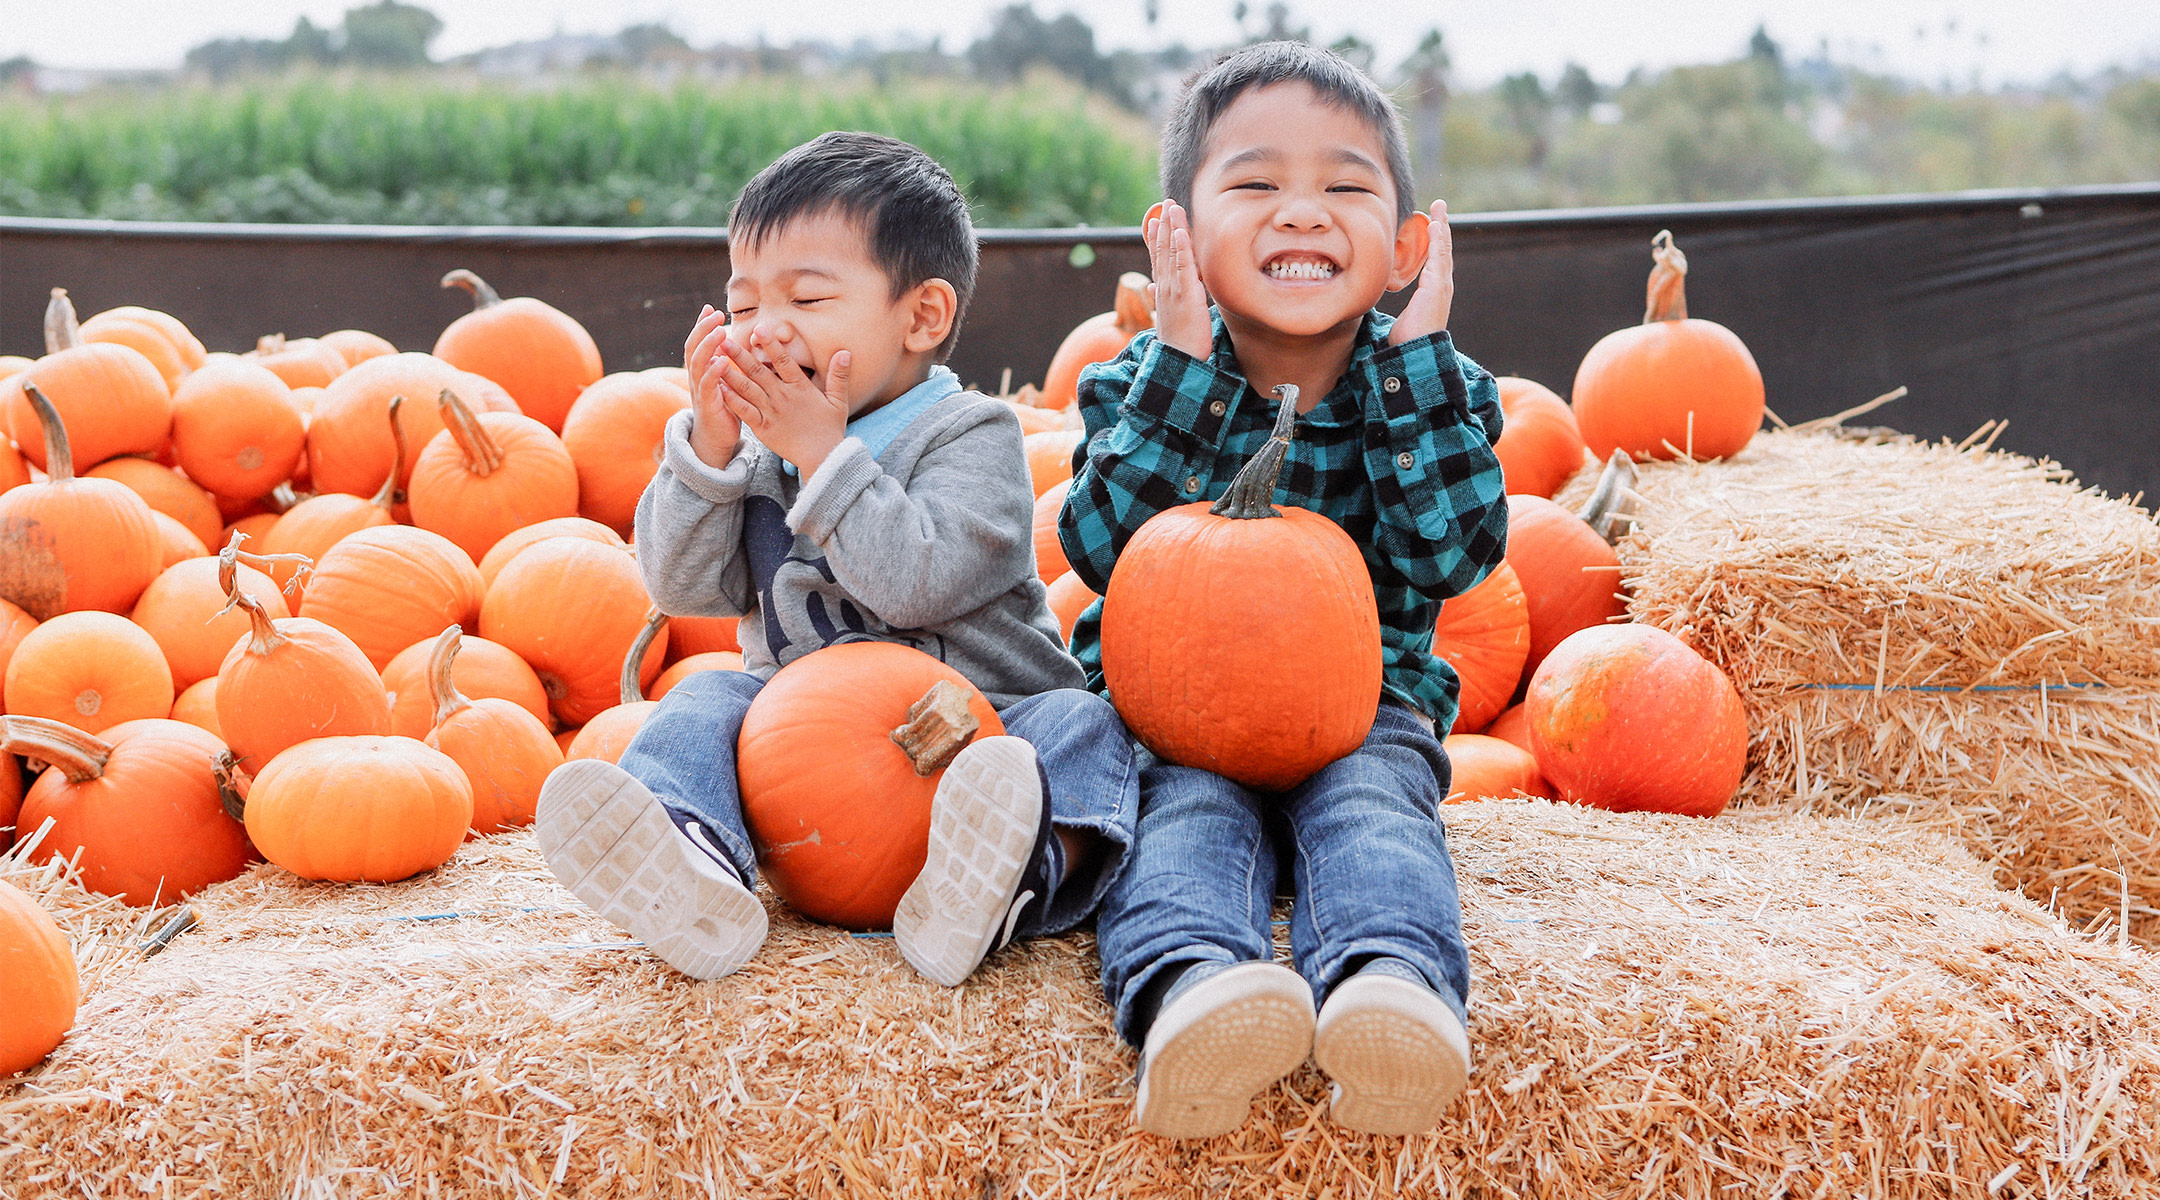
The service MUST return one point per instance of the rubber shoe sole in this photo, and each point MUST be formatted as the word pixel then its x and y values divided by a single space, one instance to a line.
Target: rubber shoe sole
pixel 983 824
pixel 1218 1045
pixel 616 848
pixel 1396 1052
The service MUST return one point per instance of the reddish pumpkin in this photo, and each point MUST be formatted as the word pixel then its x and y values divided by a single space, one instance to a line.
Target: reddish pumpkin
pixel 1570 576
pixel 1540 447
pixel 1485 766
pixel 1100 338
pixel 538 353
pixel 1485 635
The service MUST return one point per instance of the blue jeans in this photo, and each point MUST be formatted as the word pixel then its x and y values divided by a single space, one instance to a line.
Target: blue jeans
pixel 1365 848
pixel 685 754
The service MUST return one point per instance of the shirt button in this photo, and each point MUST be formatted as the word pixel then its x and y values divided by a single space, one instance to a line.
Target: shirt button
pixel 1218 408
pixel 1192 484
pixel 1391 384
pixel 1406 460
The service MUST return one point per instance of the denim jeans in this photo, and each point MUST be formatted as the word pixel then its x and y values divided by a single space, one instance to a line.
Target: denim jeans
pixel 685 754
pixel 1361 839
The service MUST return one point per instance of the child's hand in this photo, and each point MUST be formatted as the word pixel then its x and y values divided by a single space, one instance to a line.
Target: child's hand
pixel 1429 306
pixel 714 430
pixel 1181 302
pixel 789 413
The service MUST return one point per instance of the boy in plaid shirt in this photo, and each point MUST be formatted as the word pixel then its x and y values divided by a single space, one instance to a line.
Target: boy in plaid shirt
pixel 1291 206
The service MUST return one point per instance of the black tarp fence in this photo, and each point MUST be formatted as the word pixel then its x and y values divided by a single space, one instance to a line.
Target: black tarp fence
pixel 2040 308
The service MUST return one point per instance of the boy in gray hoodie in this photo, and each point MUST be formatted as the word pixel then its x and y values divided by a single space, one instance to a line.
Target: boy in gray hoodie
pixel 831 482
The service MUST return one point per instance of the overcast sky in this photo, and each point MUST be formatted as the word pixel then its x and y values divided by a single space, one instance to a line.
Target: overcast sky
pixel 2002 40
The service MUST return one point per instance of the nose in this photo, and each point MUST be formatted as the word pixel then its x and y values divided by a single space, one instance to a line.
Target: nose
pixel 1301 210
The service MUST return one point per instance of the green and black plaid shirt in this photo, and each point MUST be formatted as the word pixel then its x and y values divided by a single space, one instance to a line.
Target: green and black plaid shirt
pixel 1399 454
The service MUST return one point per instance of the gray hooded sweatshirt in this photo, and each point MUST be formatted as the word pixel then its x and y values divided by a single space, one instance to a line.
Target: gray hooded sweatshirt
pixel 929 544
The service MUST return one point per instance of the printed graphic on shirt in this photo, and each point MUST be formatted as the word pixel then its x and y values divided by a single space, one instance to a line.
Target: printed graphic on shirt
pixel 828 615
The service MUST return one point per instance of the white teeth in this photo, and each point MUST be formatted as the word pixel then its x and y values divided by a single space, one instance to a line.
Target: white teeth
pixel 1301 270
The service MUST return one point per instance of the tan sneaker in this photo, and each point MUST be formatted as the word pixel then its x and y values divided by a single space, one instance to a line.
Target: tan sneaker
pixel 1396 1052
pixel 1217 1043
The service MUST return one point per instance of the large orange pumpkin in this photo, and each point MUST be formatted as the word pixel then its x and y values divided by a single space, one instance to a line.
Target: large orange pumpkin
pixel 518 541
pixel 1100 338
pixel 70 544
pixel 1628 717
pixel 607 735
pixel 538 353
pixel 489 474
pixel 378 809
pixel 393 585
pixel 1050 561
pixel 571 609
pixel 236 430
pixel 1570 576
pixel 140 805
pixel 350 447
pixel 111 397
pixel 1672 385
pixel 838 758
pixel 615 435
pixel 1213 663
pixel 1485 635
pixel 39 987
pixel 505 752
pixel 292 679
pixel 1487 766
pixel 1540 447
pixel 482 670
pixel 92 670
pixel 185 610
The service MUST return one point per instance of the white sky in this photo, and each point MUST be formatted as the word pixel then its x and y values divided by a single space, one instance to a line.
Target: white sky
pixel 2001 40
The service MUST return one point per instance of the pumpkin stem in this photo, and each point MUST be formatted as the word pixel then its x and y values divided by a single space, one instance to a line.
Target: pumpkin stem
pixel 633 689
pixel 59 458
pixel 270 343
pixel 938 727
pixel 1133 312
pixel 483 295
pixel 1611 507
pixel 302 565
pixel 62 332
pixel 232 785
pixel 265 636
pixel 387 496
pixel 482 456
pixel 1252 493
pixel 79 756
pixel 283 497
pixel 448 701
pixel 1668 281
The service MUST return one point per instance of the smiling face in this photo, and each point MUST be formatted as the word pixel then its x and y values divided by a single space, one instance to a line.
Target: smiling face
pixel 811 287
pixel 1294 215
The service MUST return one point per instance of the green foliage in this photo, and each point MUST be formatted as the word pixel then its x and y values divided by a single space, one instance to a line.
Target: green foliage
pixel 605 151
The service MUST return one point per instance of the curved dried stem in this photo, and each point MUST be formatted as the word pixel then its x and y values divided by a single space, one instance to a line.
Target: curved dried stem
pixel 1133 311
pixel 483 295
pixel 448 701
pixel 62 331
pixel 232 785
pixel 270 343
pixel 939 726
pixel 482 456
pixel 264 636
pixel 633 689
pixel 387 496
pixel 232 555
pixel 59 456
pixel 1611 507
pixel 1668 281
pixel 1252 493
pixel 80 756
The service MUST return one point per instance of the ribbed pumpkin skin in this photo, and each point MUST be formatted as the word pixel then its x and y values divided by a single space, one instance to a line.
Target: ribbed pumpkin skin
pixel 151 828
pixel 1540 446
pixel 180 610
pixel 506 754
pixel 111 398
pixel 1214 663
pixel 391 586
pixel 518 541
pixel 1487 766
pixel 92 670
pixel 189 346
pixel 614 434
pixel 349 444
pixel 236 430
pixel 1049 457
pixel 316 683
pixel 167 491
pixel 1485 635
pixel 1570 576
pixel 541 356
pixel 375 809
pixel 1637 386
pixel 606 736
pixel 144 339
pixel 700 635
pixel 536 482
pixel 571 609
pixel 1628 717
pixel 39 988
pixel 82 544
pixel 1050 561
pixel 840 818
pixel 313 526
pixel 482 670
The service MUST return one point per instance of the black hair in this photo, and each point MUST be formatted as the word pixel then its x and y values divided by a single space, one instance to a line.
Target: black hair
pixel 1336 79
pixel 912 213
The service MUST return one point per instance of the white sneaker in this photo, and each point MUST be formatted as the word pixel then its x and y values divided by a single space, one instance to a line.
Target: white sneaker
pixel 988 823
pixel 619 850
pixel 1396 1052
pixel 1217 1044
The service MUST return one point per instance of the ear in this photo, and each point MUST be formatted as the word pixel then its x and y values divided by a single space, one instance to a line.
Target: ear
pixel 932 305
pixel 1413 241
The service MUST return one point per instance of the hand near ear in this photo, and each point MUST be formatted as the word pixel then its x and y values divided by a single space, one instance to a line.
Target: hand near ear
pixel 1430 305
pixel 1181 301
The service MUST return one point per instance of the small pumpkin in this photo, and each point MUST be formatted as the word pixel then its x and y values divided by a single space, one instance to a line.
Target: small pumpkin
pixel 40 989
pixel 111 398
pixel 310 528
pixel 300 362
pixel 91 670
pixel 487 475
pixel 1100 338
pixel 388 586
pixel 607 735
pixel 1570 575
pixel 1485 635
pixel 1050 561
pixel 1672 385
pixel 15 625
pixel 167 491
pixel 538 353
pixel 144 339
pixel 518 541
pixel 1069 599
pixel 701 635
pixel 615 435
pixel 505 752
pixel 1540 447
pixel 353 809
pixel 186 611
pixel 1489 767
pixel 1049 457
pixel 350 446
pixel 70 544
pixel 571 609
pixel 1512 727
pixel 180 543
pixel 197 705
pixel 838 758
pixel 1212 663
pixel 236 430
pixel 356 346
pixel 482 670
pixel 190 347
pixel 716 660
pixel 290 680
pixel 1630 718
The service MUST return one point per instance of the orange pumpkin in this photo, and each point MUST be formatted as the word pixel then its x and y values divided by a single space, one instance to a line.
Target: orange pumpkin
pixel 483 670
pixel 505 752
pixel 700 635
pixel 189 346
pixel 350 447
pixel 15 625
pixel 254 527
pixel 571 609
pixel 300 362
pixel 518 541
pixel 185 611
pixel 16 364
pixel 140 805
pixel 1540 448
pixel 180 544
pixel 389 586
pixel 111 398
pixel 70 544
pixel 1628 717
pixel 356 346
pixel 1213 664
pixel 1485 635
pixel 197 706
pixel 378 809
pixel 1050 559
pixel 14 468
pixel 1487 766
pixel 1512 727
pixel 541 356
pixel 11 793
pixel 1570 576
pixel 717 660
pixel 236 430
pixel 290 680
pixel 838 758
pixel 167 491
pixel 614 434
pixel 92 670
pixel 488 475
pixel 1049 457
pixel 1672 385
pixel 310 528
pixel 1069 598
pixel 1100 338
pixel 40 989
pixel 607 735
pixel 144 339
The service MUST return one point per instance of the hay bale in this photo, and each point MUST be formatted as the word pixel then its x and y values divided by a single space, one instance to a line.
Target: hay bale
pixel 1761 1006
pixel 1956 635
